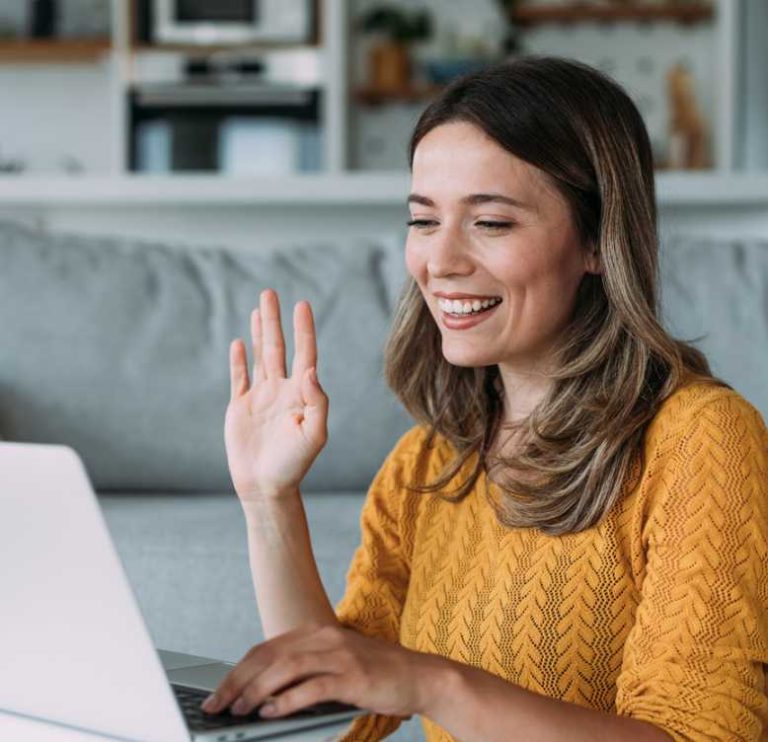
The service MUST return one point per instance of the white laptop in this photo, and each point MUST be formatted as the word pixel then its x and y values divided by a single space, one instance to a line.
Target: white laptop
pixel 74 646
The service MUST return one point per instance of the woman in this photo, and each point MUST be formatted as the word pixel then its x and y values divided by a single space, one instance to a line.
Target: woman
pixel 572 543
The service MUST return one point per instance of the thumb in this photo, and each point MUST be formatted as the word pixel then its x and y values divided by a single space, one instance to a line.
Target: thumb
pixel 316 406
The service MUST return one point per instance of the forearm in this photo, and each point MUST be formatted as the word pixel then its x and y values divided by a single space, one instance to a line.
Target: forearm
pixel 472 704
pixel 289 592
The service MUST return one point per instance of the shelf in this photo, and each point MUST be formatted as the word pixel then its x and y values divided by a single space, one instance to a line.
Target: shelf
pixel 53 50
pixel 416 93
pixel 579 12
pixel 202 50
pixel 234 94
pixel 390 190
pixel 203 190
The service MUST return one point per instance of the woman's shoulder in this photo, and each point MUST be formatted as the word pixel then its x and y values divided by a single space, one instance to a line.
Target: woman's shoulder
pixel 409 462
pixel 703 406
pixel 706 454
pixel 420 442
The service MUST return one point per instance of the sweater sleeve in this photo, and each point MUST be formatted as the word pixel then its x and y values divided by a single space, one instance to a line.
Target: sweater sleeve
pixel 377 579
pixel 694 661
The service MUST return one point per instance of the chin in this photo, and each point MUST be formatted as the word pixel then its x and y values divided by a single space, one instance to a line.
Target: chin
pixel 466 357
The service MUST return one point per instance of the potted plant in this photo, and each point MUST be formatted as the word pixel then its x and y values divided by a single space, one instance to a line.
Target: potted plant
pixel 390 63
pixel 512 42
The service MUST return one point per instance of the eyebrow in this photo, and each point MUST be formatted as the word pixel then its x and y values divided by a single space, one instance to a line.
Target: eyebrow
pixel 473 199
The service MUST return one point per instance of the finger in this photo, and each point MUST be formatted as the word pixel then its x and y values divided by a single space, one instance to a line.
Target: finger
pixel 286 673
pixel 304 339
pixel 256 339
pixel 316 407
pixel 238 369
pixel 236 680
pixel 273 344
pixel 318 688
pixel 255 660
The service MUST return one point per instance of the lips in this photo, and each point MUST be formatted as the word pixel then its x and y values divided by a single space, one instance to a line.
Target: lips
pixel 452 322
pixel 468 297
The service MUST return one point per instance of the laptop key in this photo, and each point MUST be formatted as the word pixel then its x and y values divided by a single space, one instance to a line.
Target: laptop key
pixel 189 700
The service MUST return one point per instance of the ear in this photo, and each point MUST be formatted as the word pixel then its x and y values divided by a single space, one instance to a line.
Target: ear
pixel 592 260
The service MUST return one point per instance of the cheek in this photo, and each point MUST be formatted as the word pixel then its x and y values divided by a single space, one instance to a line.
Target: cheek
pixel 515 274
pixel 414 262
pixel 531 271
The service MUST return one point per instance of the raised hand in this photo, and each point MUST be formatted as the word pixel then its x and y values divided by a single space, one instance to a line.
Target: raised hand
pixel 275 425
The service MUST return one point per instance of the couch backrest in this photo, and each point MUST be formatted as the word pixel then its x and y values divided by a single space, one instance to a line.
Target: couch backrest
pixel 120 349
pixel 715 292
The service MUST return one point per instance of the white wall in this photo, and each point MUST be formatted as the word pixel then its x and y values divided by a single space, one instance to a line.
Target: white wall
pixel 51 113
pixel 56 116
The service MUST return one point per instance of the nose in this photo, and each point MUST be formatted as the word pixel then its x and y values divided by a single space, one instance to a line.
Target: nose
pixel 447 255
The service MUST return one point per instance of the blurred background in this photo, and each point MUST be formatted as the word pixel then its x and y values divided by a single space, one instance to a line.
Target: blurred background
pixel 244 87
pixel 271 105
pixel 265 103
pixel 163 161
pixel 250 88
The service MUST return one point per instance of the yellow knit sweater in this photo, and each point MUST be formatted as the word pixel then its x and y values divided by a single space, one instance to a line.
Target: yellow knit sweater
pixel 660 612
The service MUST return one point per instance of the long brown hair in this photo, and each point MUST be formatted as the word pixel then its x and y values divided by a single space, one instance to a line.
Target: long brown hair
pixel 582 444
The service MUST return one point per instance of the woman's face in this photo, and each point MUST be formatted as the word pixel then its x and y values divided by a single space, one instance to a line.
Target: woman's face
pixel 489 228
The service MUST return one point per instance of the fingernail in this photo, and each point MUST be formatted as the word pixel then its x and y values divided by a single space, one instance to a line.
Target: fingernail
pixel 210 703
pixel 267 709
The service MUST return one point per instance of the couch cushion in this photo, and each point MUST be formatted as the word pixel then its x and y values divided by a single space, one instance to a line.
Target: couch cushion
pixel 120 349
pixel 186 557
pixel 715 292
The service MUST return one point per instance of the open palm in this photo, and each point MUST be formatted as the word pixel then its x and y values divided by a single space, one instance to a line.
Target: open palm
pixel 274 425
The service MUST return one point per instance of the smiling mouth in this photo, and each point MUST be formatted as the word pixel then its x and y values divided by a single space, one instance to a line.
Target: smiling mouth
pixel 464 308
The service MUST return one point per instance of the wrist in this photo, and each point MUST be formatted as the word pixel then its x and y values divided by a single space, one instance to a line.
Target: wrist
pixel 438 683
pixel 264 503
pixel 265 494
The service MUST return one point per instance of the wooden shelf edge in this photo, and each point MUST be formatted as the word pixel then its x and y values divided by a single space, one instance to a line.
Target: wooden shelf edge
pixel 373 96
pixel 53 50
pixel 574 13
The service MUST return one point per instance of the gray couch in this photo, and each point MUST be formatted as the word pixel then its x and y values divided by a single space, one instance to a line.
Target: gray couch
pixel 119 349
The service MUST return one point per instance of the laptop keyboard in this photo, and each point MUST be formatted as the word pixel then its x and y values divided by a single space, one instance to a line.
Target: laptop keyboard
pixel 189 700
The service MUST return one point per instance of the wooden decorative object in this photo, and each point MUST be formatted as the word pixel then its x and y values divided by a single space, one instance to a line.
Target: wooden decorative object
pixel 390 66
pixel 687 130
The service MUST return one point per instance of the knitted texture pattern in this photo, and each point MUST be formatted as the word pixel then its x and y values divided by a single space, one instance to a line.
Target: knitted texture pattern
pixel 659 612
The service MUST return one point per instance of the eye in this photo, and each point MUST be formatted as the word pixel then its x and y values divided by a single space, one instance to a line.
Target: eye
pixel 494 225
pixel 419 223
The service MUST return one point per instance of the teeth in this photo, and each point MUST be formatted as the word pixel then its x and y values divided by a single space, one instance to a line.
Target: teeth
pixel 456 306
